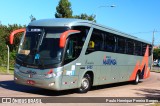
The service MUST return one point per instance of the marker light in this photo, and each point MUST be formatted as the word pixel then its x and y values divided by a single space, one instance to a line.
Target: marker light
pixel 51 84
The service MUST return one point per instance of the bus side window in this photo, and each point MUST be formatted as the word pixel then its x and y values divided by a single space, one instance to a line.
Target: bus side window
pixel 96 42
pixel 144 46
pixel 138 49
pixel 130 47
pixel 74 47
pixel 110 42
pixel 121 45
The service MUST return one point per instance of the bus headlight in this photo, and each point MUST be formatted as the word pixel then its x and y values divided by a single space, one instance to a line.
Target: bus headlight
pixel 49 75
pixel 52 74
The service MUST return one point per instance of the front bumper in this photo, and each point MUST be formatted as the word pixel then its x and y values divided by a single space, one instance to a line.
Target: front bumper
pixel 50 83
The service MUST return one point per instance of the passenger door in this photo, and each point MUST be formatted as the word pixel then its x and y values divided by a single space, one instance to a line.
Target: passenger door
pixel 70 59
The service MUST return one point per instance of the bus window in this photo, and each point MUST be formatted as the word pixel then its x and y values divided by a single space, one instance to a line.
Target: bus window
pixel 130 47
pixel 110 42
pixel 120 45
pixel 144 46
pixel 97 41
pixel 84 30
pixel 74 46
pixel 138 50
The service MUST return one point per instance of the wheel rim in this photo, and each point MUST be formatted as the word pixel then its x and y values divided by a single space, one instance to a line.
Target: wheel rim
pixel 137 78
pixel 84 84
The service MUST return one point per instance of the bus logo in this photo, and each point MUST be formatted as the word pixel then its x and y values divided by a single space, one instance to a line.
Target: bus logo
pixel 109 61
pixel 31 73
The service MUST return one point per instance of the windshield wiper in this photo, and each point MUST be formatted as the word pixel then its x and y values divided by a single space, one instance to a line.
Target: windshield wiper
pixel 37 55
pixel 40 40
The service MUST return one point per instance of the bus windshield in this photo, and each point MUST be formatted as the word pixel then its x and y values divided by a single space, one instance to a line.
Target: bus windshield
pixel 40 46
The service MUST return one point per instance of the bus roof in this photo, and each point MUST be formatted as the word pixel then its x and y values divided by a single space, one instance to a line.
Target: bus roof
pixel 75 22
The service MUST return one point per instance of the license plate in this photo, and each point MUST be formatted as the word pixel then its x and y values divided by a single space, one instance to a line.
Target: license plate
pixel 31 82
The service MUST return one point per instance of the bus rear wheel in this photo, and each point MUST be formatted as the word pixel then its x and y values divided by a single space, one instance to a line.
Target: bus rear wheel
pixel 85 84
pixel 136 81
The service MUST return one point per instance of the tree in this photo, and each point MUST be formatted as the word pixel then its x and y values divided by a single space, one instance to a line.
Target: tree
pixel 32 18
pixel 4 41
pixel 2 44
pixel 63 9
pixel 84 16
pixel 156 53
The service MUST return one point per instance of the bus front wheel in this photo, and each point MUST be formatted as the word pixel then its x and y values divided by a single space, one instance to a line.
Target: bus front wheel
pixel 85 84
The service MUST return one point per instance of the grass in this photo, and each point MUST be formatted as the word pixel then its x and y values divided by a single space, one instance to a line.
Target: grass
pixel 3 70
pixel 155 70
pixel 158 71
pixel 157 104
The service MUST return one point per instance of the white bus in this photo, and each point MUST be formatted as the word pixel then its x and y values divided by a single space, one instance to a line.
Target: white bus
pixel 60 54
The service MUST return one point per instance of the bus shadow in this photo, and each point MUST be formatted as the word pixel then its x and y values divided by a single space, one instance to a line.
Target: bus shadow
pixel 11 85
pixel 112 85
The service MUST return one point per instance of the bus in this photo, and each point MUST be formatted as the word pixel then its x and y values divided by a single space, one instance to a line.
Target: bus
pixel 60 54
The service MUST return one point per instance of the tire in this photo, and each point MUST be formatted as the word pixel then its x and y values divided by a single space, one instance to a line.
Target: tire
pixel 136 81
pixel 85 84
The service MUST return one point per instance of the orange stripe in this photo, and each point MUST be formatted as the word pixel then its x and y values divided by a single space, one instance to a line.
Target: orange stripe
pixel 145 61
pixel 136 68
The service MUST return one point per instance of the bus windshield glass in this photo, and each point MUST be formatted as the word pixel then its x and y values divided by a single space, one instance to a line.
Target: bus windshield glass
pixel 40 46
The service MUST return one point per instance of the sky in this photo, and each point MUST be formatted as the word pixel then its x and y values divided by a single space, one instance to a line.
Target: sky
pixel 137 17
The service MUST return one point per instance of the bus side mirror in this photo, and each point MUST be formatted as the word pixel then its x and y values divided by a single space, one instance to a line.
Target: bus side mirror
pixel 64 36
pixel 91 44
pixel 11 37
